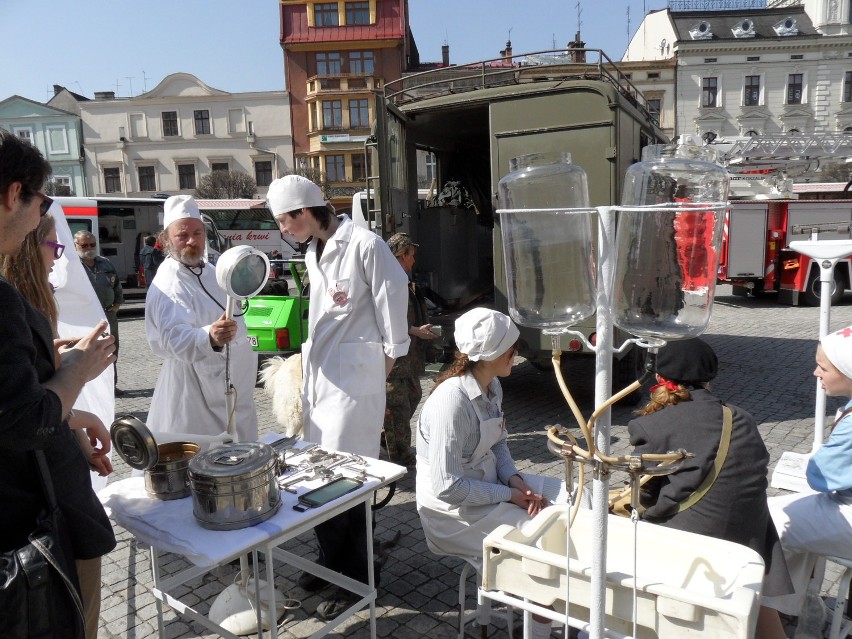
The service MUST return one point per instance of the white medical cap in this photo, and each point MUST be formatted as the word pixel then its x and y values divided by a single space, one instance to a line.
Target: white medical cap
pixel 180 207
pixel 483 334
pixel 838 349
pixel 292 193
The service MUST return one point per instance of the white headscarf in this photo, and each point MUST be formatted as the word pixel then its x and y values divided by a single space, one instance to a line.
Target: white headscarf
pixel 838 349
pixel 483 334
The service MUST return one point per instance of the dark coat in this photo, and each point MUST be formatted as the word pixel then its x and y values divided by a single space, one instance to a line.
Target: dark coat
pixel 735 506
pixel 31 418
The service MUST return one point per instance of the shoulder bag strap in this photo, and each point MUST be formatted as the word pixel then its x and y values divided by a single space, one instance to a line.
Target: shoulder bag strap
pixel 47 486
pixel 724 444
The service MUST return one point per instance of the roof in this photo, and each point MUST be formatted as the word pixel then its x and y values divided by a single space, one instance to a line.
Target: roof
pixel 722 22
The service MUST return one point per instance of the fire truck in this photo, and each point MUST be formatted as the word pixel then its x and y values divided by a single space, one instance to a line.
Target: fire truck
pixel 768 212
pixel 467 122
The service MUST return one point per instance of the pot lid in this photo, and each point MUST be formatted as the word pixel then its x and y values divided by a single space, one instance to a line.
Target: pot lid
pixel 244 458
pixel 133 442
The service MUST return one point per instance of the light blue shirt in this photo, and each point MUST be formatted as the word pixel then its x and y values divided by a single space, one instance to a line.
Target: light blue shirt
pixel 448 431
pixel 830 468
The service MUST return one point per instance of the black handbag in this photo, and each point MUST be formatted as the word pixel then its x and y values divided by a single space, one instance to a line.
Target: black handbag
pixel 39 594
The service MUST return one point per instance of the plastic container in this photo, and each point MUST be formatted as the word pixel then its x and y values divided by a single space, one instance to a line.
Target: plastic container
pixel 688 585
pixel 668 241
pixel 546 227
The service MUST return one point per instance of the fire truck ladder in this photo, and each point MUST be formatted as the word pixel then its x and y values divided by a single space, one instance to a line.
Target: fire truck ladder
pixel 783 152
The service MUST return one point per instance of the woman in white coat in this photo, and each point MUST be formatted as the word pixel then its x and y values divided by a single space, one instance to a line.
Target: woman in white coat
pixel 185 325
pixel 357 327
pixel 467 482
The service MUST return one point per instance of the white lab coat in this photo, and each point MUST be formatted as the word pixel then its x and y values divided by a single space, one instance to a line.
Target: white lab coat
pixel 358 314
pixel 190 392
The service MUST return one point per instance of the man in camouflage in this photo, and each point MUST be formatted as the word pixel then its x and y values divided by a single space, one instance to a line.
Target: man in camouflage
pixel 403 383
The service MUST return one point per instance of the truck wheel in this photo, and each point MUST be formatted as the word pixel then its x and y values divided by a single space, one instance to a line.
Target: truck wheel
pixel 626 371
pixel 811 294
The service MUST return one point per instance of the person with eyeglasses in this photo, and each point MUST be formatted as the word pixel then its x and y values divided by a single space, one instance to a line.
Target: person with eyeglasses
pixel 38 387
pixel 107 285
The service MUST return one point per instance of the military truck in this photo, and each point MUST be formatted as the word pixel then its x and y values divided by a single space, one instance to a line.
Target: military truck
pixel 467 122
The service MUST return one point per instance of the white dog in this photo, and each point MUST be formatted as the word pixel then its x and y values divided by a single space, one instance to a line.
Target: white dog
pixel 282 381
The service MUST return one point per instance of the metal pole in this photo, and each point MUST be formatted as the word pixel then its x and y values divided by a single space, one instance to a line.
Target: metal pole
pixel 826 279
pixel 603 390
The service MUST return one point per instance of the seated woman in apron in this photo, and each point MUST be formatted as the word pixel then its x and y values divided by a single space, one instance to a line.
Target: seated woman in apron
pixel 817 523
pixel 467 482
pixel 721 490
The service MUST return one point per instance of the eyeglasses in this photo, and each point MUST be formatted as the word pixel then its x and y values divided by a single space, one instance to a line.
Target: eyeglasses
pixel 58 249
pixel 86 245
pixel 44 207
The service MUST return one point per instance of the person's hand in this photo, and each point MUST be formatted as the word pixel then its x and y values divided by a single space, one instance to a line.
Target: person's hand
pixel 526 497
pixel 97 458
pixel 222 331
pixel 422 332
pixel 92 354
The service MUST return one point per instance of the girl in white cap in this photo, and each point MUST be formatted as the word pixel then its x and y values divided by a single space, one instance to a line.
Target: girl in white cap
pixel 820 522
pixel 467 482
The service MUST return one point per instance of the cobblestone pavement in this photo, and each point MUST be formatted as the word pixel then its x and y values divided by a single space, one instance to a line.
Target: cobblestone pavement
pixel 766 354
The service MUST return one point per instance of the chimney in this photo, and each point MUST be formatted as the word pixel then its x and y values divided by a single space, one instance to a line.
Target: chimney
pixel 507 52
pixel 445 55
pixel 104 95
pixel 577 56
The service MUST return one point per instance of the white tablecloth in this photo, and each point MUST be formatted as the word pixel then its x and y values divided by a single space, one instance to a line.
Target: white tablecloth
pixel 170 525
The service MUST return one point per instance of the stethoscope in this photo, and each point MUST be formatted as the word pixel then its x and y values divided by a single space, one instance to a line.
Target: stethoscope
pixel 198 275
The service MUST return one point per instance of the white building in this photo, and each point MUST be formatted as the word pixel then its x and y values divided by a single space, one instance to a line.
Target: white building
pixel 166 140
pixel 786 69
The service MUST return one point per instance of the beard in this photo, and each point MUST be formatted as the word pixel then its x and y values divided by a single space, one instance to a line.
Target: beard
pixel 189 255
pixel 87 255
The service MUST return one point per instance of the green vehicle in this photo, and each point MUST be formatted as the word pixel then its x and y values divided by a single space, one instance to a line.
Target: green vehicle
pixel 277 318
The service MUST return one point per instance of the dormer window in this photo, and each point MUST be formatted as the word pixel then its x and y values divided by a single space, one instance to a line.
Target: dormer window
pixel 744 29
pixel 701 31
pixel 787 27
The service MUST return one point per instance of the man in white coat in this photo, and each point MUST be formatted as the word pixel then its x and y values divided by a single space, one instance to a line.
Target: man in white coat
pixel 357 327
pixel 185 325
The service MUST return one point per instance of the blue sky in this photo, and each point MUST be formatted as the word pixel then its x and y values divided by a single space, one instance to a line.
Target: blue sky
pixel 232 45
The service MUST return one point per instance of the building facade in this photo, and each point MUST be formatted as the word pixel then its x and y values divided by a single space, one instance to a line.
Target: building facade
pixel 56 133
pixel 336 54
pixel 746 72
pixel 168 139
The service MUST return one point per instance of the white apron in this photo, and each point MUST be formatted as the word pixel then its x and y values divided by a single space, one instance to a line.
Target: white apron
pixel 460 530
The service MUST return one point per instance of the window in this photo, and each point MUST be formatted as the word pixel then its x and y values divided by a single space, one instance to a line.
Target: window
pixel 334 168
pixel 138 127
pixel 359 115
pixel 314 123
pixel 751 93
pixel 847 87
pixel 263 173
pixel 753 58
pixel 219 166
pixel 325 15
pixel 709 60
pixel 653 76
pixel 25 134
pixel 57 139
pixel 147 180
pixel 112 180
pixel 357 13
pixel 63 184
pixel 186 176
pixel 752 133
pixel 361 62
pixel 332 114
pixel 797 57
pixel 329 63
pixel 654 105
pixel 359 168
pixel 709 92
pixel 794 88
pixel 170 123
pixel 202 122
